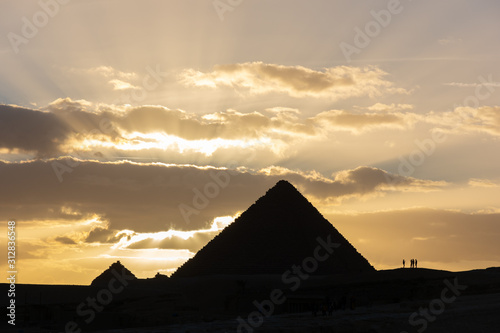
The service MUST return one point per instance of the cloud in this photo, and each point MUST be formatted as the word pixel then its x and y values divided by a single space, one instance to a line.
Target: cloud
pixel 381 116
pixel 86 130
pixel 367 181
pixel 450 41
pixel 122 85
pixel 476 182
pixel 484 82
pixel 370 178
pixel 119 80
pixel 176 240
pixel 226 125
pixel 358 122
pixel 99 80
pixel 69 106
pixel 31 131
pixel 359 182
pixel 334 83
pixel 65 240
pixel 157 195
pixel 47 132
pixel 475 84
pixel 78 127
pixel 389 107
pixel 103 235
pixel 104 71
pixel 485 119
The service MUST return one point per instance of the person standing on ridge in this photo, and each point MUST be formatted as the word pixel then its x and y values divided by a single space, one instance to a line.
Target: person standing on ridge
pixel 403 263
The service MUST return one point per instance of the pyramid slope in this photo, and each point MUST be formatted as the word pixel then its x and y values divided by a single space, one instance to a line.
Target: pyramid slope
pixel 279 230
pixel 107 275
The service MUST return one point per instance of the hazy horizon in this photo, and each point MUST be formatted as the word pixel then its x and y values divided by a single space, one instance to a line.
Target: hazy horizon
pixel 137 132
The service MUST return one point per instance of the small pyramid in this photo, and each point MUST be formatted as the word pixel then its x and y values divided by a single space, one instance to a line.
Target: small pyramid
pixel 278 231
pixel 159 276
pixel 107 275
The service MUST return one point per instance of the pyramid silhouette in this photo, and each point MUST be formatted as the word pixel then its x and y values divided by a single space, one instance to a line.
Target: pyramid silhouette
pixel 107 275
pixel 281 229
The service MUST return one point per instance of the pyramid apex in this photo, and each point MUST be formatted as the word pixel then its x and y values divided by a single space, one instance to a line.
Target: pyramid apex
pixel 283 183
pixel 283 186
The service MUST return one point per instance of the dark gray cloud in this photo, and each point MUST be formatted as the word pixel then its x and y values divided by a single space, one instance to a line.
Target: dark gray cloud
pixel 131 196
pixel 79 128
pixel 102 235
pixel 31 131
pixel 356 183
pixel 65 240
pixel 155 197
pixel 61 127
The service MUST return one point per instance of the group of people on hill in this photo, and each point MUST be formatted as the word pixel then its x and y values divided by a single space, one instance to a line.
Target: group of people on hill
pixel 413 263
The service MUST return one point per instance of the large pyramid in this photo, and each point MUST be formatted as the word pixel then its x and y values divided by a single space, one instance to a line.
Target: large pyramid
pixel 281 229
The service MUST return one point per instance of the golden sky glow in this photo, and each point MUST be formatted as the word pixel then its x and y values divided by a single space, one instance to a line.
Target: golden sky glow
pixel 137 131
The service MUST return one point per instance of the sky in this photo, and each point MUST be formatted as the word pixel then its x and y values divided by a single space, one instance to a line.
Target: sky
pixel 137 130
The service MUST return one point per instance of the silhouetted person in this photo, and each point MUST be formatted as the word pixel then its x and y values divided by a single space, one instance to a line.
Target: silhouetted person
pixel 412 263
pixel 403 263
pixel 415 263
